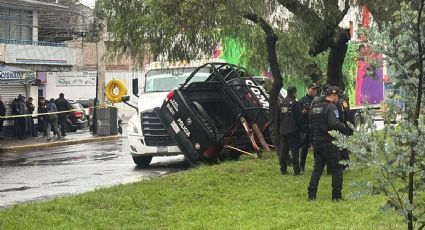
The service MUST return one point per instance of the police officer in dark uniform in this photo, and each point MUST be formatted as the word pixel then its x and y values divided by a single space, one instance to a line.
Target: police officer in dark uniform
pixel 324 117
pixel 290 124
pixel 344 116
pixel 63 105
pixel 305 103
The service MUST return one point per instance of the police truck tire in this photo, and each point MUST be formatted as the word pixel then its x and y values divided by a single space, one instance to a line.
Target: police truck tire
pixel 142 161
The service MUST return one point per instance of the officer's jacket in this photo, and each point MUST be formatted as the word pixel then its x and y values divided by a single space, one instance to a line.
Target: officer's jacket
pixel 324 116
pixel 344 109
pixel 305 103
pixel 290 116
pixel 62 104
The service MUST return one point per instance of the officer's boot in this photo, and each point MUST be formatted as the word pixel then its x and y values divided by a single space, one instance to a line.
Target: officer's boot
pixel 336 195
pixel 312 194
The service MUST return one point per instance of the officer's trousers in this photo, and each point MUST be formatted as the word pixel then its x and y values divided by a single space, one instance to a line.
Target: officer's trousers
pixel 326 153
pixel 62 124
pixel 289 142
pixel 304 149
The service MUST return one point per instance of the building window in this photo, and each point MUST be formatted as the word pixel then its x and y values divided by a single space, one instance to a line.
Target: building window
pixel 15 24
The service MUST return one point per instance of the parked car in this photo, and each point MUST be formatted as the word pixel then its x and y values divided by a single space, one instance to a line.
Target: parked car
pixel 77 119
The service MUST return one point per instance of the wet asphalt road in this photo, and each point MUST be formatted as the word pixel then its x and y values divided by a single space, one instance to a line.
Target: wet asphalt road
pixel 61 171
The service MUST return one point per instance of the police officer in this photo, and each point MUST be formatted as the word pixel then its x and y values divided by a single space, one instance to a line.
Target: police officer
pixel 290 123
pixel 2 113
pixel 344 116
pixel 62 105
pixel 305 103
pixel 324 117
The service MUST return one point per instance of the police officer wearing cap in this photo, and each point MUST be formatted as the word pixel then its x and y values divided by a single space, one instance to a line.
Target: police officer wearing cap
pixel 290 125
pixel 324 117
pixel 305 103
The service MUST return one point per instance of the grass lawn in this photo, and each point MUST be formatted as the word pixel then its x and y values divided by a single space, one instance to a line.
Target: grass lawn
pixel 247 194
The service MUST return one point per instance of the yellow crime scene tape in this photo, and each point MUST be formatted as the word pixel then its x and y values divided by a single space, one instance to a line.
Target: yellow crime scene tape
pixel 114 90
pixel 66 111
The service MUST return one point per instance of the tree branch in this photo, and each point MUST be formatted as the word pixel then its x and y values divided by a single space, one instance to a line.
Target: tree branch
pixel 302 11
pixel 346 7
pixel 261 22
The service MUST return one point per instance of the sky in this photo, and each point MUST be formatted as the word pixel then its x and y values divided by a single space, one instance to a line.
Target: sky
pixel 89 3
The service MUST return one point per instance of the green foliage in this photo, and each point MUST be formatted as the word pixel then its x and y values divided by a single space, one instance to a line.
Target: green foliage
pixel 247 194
pixel 389 151
pixel 190 29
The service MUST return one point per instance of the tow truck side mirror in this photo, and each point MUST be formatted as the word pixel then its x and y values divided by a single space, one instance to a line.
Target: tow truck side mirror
pixel 135 87
pixel 126 98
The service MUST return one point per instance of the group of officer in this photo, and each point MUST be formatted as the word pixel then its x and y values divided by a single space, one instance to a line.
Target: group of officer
pixel 308 122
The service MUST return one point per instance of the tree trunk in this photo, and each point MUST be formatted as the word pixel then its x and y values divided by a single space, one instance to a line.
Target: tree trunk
pixel 417 112
pixel 336 59
pixel 274 118
pixel 271 39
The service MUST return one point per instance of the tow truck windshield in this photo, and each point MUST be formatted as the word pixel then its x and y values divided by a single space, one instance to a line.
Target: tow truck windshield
pixel 163 80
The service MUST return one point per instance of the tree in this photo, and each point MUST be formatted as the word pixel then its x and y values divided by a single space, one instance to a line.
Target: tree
pixel 189 29
pixel 397 152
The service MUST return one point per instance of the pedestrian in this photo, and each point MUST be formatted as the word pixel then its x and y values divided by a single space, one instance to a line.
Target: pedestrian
pixel 305 103
pixel 290 126
pixel 2 114
pixel 42 119
pixel 324 117
pixel 20 109
pixel 62 105
pixel 31 132
pixel 15 119
pixel 52 119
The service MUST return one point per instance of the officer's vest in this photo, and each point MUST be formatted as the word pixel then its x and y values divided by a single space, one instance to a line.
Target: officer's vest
pixel 319 123
pixel 288 123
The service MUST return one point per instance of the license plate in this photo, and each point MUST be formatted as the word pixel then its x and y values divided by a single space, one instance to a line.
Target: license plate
pixel 162 149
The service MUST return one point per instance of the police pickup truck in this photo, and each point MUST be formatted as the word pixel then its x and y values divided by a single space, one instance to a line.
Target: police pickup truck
pixel 204 115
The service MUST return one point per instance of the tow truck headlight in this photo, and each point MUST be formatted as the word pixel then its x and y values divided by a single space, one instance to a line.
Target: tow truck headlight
pixel 132 128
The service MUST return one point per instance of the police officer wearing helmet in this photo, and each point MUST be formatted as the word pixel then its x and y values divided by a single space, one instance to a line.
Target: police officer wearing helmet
pixel 290 124
pixel 305 103
pixel 324 117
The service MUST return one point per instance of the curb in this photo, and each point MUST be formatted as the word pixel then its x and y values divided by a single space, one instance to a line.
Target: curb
pixel 57 144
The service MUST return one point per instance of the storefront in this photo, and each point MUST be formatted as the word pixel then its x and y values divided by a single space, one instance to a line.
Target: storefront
pixel 15 81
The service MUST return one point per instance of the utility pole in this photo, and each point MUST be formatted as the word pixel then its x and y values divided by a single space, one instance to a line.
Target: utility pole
pixel 100 74
pixel 101 68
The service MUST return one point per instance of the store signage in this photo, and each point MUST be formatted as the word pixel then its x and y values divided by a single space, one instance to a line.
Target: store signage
pixel 7 75
pixel 76 79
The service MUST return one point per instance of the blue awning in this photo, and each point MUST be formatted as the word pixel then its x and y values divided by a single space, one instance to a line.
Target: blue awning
pixel 5 68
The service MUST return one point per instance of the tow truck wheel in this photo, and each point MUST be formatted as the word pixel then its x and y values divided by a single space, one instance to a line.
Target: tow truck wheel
pixel 142 161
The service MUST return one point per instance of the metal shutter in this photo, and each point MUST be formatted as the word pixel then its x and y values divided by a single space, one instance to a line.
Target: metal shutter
pixel 9 92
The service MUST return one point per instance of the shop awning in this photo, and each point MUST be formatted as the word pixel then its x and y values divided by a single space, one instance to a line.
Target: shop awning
pixel 5 68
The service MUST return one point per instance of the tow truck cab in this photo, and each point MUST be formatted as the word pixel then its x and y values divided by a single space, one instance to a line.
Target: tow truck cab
pixel 147 137
pixel 205 114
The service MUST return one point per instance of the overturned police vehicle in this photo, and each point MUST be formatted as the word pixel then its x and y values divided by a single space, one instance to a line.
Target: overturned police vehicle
pixel 220 109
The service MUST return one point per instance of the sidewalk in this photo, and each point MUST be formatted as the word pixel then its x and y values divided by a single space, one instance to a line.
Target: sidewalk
pixel 37 143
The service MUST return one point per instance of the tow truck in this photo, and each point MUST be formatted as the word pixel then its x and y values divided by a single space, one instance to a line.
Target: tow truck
pixel 204 115
pixel 147 137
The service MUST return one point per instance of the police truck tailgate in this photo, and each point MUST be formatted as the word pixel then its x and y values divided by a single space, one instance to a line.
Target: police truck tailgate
pixel 189 133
